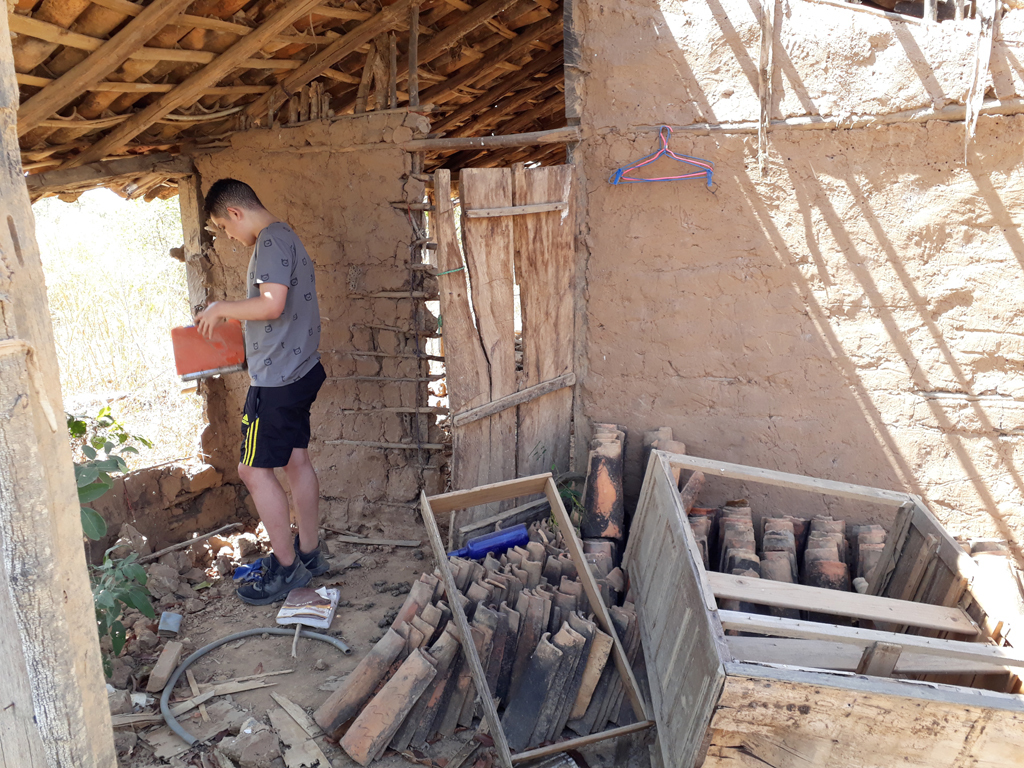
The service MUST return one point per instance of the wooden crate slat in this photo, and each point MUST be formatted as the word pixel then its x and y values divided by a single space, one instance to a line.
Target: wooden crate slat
pixel 830 601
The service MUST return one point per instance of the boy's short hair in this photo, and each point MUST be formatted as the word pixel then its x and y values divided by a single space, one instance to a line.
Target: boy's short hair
pixel 230 193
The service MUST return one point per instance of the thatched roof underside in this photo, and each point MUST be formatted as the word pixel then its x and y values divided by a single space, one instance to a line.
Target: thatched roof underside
pixel 107 79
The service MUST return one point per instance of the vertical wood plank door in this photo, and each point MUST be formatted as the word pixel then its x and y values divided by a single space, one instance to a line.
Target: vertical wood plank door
pixel 466 371
pixel 489 248
pixel 505 247
pixel 544 264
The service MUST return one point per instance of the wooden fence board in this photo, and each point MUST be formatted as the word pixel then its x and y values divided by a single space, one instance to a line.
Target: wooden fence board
pixel 488 245
pixel 465 372
pixel 544 265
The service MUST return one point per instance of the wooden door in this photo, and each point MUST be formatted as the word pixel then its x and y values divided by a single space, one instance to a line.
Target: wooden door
pixel 518 228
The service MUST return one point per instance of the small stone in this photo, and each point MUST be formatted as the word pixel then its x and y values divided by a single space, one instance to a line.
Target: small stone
pixel 256 749
pixel 121 672
pixel 265 636
pixel 345 604
pixel 125 740
pixel 147 639
pixel 320 665
pixel 120 702
pixel 194 605
pixel 368 562
pixel 163 579
pixel 247 544
pixel 194 575
pixel 167 601
pixel 223 565
pixel 417 554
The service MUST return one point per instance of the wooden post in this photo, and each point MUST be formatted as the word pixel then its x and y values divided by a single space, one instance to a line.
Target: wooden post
pixel 414 54
pixel 197 239
pixel 53 706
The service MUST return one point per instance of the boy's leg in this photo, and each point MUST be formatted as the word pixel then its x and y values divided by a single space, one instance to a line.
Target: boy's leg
pixel 272 507
pixel 305 489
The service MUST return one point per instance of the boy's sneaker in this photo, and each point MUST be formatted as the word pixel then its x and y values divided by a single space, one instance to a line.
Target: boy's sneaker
pixel 314 561
pixel 272 581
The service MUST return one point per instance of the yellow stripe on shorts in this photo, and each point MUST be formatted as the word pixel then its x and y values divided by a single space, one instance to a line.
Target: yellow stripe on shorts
pixel 250 453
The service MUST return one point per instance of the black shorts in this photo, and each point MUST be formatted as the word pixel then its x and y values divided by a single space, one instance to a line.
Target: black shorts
pixel 276 420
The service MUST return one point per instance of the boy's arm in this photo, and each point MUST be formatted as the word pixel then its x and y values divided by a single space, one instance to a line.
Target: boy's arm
pixel 267 306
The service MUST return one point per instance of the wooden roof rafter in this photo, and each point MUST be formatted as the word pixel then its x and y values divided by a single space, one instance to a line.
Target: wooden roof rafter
pixel 102 79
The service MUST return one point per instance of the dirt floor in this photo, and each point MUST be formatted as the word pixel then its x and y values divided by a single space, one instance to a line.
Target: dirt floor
pixel 372 590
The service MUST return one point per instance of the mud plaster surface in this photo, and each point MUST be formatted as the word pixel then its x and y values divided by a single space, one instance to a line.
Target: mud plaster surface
pixel 856 314
pixel 339 202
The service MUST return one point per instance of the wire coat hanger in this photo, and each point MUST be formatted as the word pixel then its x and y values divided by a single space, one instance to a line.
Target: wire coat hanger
pixel 621 176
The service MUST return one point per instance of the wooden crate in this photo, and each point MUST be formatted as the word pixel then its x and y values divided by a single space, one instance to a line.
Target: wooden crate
pixel 716 701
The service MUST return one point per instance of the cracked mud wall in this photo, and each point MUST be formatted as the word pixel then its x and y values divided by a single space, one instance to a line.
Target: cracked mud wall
pixel 334 183
pixel 856 314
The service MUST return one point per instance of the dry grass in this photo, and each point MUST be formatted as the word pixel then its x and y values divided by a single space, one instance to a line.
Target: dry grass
pixel 114 295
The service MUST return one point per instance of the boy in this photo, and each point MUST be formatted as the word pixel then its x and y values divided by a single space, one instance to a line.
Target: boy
pixel 282 334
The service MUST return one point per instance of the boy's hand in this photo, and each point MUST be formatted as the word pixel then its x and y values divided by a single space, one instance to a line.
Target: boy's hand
pixel 209 319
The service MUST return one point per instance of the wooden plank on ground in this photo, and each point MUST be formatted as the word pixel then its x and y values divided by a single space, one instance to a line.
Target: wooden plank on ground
pixel 544 266
pixel 831 601
pixel 488 244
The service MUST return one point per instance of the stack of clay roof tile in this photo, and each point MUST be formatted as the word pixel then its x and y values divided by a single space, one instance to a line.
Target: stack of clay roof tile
pixel 544 657
pixel 820 552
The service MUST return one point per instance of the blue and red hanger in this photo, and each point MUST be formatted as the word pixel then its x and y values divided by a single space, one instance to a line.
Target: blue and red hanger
pixel 622 175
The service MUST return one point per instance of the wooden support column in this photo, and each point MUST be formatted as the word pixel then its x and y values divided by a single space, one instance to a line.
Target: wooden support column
pixel 197 240
pixel 53 706
pixel 414 53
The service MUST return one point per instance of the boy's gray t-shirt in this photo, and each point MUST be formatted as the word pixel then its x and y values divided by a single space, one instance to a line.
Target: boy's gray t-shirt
pixel 282 351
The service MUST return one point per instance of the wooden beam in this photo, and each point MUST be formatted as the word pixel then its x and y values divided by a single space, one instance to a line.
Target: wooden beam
pixel 505 85
pixel 516 398
pixel 413 65
pixel 104 60
pixel 449 36
pixel 63 180
pixel 581 741
pixel 488 117
pixel 565 135
pixel 53 709
pixel 830 601
pixel 486 494
pixel 465 636
pixel 879 659
pixel 813 630
pixel 493 56
pixel 384 21
pixel 117 86
pixel 516 210
pixel 787 480
pixel 845 657
pixel 191 88
pixel 545 108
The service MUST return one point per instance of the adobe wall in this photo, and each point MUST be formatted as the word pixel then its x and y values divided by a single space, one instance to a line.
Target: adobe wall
pixel 854 315
pixel 334 182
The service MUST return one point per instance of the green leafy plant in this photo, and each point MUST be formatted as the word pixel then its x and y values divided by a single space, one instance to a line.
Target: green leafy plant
pixel 98 445
pixel 118 583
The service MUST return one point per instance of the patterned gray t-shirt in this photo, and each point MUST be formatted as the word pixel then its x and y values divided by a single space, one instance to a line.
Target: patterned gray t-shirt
pixel 284 350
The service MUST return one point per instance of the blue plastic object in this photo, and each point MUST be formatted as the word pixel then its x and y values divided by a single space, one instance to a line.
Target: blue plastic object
pixel 496 542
